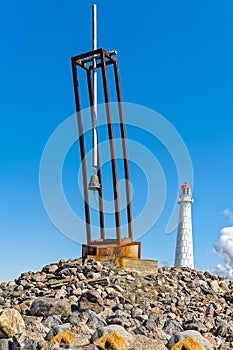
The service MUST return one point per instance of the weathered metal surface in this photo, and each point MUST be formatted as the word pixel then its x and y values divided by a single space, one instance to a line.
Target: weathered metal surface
pixel 125 152
pixel 112 148
pixel 82 151
pixel 130 250
pixel 102 59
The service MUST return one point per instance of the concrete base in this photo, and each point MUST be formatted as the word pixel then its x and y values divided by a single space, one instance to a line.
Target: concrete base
pixel 142 266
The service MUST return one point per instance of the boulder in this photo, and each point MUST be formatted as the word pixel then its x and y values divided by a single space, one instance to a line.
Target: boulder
pixel 206 345
pixel 49 307
pixel 100 332
pixel 91 300
pixel 11 323
pixel 140 342
pixel 64 338
pixel 113 341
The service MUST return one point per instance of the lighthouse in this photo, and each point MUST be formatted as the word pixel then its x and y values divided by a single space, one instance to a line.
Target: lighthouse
pixel 184 241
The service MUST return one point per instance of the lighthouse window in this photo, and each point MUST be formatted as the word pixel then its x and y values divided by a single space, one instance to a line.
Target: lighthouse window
pixel 183 190
pixel 187 190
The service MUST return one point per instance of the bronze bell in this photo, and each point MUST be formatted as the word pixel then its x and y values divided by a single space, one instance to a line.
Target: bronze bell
pixel 94 183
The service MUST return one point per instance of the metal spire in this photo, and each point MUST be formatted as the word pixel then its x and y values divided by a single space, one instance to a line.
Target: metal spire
pixel 94 181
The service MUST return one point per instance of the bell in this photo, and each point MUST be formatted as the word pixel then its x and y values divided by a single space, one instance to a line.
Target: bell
pixel 94 183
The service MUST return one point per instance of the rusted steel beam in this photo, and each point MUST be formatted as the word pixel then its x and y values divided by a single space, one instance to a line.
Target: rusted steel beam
pixel 82 65
pixel 99 173
pixel 90 59
pixel 82 150
pixel 112 148
pixel 125 151
pixel 87 56
pixel 99 65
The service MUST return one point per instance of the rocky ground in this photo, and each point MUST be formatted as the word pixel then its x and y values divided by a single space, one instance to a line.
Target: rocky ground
pixel 70 305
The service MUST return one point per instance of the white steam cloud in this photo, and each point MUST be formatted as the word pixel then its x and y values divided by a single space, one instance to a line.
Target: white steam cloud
pixel 224 248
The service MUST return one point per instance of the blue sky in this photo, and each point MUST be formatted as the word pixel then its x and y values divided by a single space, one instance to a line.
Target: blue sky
pixel 174 57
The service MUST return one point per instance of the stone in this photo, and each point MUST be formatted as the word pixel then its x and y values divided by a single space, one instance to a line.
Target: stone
pixel 140 342
pixel 50 268
pixel 91 300
pixel 5 344
pixel 112 341
pixel 187 344
pixel 195 325
pixel 112 329
pixel 11 323
pixel 24 342
pixel 172 326
pixel 50 306
pixel 94 321
pixel 57 330
pixel 64 338
pixel 52 321
pixel 34 325
pixel 157 305
pixel 189 334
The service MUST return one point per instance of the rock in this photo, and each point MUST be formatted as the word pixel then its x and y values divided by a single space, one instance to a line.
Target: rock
pixel 189 334
pixel 112 341
pixel 57 330
pixel 62 297
pixel 195 325
pixel 140 342
pixel 81 341
pixel 91 300
pixel 222 330
pixel 94 321
pixel 50 306
pixel 50 268
pixel 52 321
pixel 11 323
pixel 34 325
pixel 172 326
pixel 100 332
pixel 64 338
pixel 5 344
pixel 24 342
pixel 187 344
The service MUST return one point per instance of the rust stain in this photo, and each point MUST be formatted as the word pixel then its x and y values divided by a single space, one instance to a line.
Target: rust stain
pixel 131 250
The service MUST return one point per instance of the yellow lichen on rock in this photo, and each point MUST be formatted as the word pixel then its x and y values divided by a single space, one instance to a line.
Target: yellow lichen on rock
pixel 112 341
pixel 64 337
pixel 187 344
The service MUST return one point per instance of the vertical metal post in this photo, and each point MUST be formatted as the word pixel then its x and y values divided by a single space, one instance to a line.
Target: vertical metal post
pixel 82 150
pixel 95 93
pixel 125 152
pixel 101 205
pixel 112 148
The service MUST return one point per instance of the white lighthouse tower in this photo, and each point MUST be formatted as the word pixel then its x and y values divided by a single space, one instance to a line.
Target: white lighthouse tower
pixel 184 241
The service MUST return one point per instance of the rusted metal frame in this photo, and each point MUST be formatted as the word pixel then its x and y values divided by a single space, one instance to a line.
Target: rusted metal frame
pixel 108 55
pixel 99 65
pixel 87 54
pixel 125 151
pixel 82 150
pixel 82 65
pixel 90 59
pixel 99 173
pixel 112 148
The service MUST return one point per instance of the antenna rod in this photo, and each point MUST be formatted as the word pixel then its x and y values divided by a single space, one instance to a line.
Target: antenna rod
pixel 95 93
